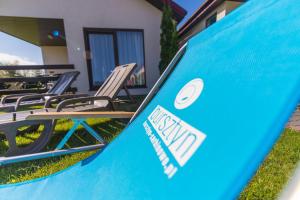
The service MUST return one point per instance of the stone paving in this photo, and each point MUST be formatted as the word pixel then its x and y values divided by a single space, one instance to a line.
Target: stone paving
pixel 294 122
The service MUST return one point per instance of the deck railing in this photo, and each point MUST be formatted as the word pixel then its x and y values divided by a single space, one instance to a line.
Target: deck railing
pixel 39 79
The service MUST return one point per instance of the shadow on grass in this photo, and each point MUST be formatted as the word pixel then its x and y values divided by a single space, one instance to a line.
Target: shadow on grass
pixel 3 146
pixel 107 128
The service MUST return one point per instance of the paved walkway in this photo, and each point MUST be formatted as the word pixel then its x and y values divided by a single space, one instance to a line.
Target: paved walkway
pixel 294 122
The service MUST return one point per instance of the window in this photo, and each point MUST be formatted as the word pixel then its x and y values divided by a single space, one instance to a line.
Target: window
pixel 211 20
pixel 107 48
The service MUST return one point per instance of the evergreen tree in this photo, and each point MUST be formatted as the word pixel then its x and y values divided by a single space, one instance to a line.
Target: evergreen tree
pixel 168 38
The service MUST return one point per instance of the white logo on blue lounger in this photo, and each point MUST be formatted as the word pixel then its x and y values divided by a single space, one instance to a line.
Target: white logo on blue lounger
pixel 174 140
pixel 189 94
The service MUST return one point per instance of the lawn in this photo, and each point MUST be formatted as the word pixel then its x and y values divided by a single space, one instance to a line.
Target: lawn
pixel 276 170
pixel 107 128
pixel 266 184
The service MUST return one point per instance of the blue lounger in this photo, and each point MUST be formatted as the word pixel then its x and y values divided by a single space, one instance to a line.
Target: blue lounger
pixel 211 124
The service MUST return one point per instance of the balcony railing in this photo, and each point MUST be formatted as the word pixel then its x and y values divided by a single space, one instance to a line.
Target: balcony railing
pixel 39 79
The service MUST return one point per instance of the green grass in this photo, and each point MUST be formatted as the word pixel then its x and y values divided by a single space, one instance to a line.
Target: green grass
pixel 266 184
pixel 107 128
pixel 32 170
pixel 276 170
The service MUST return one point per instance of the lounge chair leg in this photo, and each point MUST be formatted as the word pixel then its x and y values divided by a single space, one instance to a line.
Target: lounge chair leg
pixel 11 138
pixel 77 123
pixel 11 133
pixel 68 135
pixel 113 107
pixel 92 132
pixel 128 94
pixel 30 129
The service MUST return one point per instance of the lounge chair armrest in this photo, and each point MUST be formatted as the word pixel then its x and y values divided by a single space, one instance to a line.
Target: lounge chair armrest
pixel 62 97
pixel 30 97
pixel 79 115
pixel 6 97
pixel 68 102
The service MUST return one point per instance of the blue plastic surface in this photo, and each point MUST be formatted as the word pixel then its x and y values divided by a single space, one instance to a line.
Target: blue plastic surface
pixel 249 65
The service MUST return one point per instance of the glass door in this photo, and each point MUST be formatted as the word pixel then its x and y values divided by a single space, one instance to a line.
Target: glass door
pixel 102 57
pixel 108 48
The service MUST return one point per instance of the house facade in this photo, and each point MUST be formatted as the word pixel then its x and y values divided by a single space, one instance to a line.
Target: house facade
pixel 94 35
pixel 208 13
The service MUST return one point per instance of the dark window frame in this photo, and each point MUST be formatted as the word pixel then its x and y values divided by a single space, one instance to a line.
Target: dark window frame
pixel 208 20
pixel 113 31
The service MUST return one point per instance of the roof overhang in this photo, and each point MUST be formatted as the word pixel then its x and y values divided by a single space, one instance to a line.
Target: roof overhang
pixel 207 7
pixel 179 12
pixel 37 31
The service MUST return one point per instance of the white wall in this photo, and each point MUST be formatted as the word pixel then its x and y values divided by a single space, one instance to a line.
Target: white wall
pixel 135 14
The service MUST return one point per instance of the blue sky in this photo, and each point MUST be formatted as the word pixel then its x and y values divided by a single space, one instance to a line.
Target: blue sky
pixel 14 48
pixel 190 5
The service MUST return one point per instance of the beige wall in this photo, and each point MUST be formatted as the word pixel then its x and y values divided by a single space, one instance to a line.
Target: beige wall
pixel 222 10
pixel 55 55
pixel 231 5
pixel 135 14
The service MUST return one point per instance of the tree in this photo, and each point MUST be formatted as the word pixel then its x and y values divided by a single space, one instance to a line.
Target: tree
pixel 168 38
